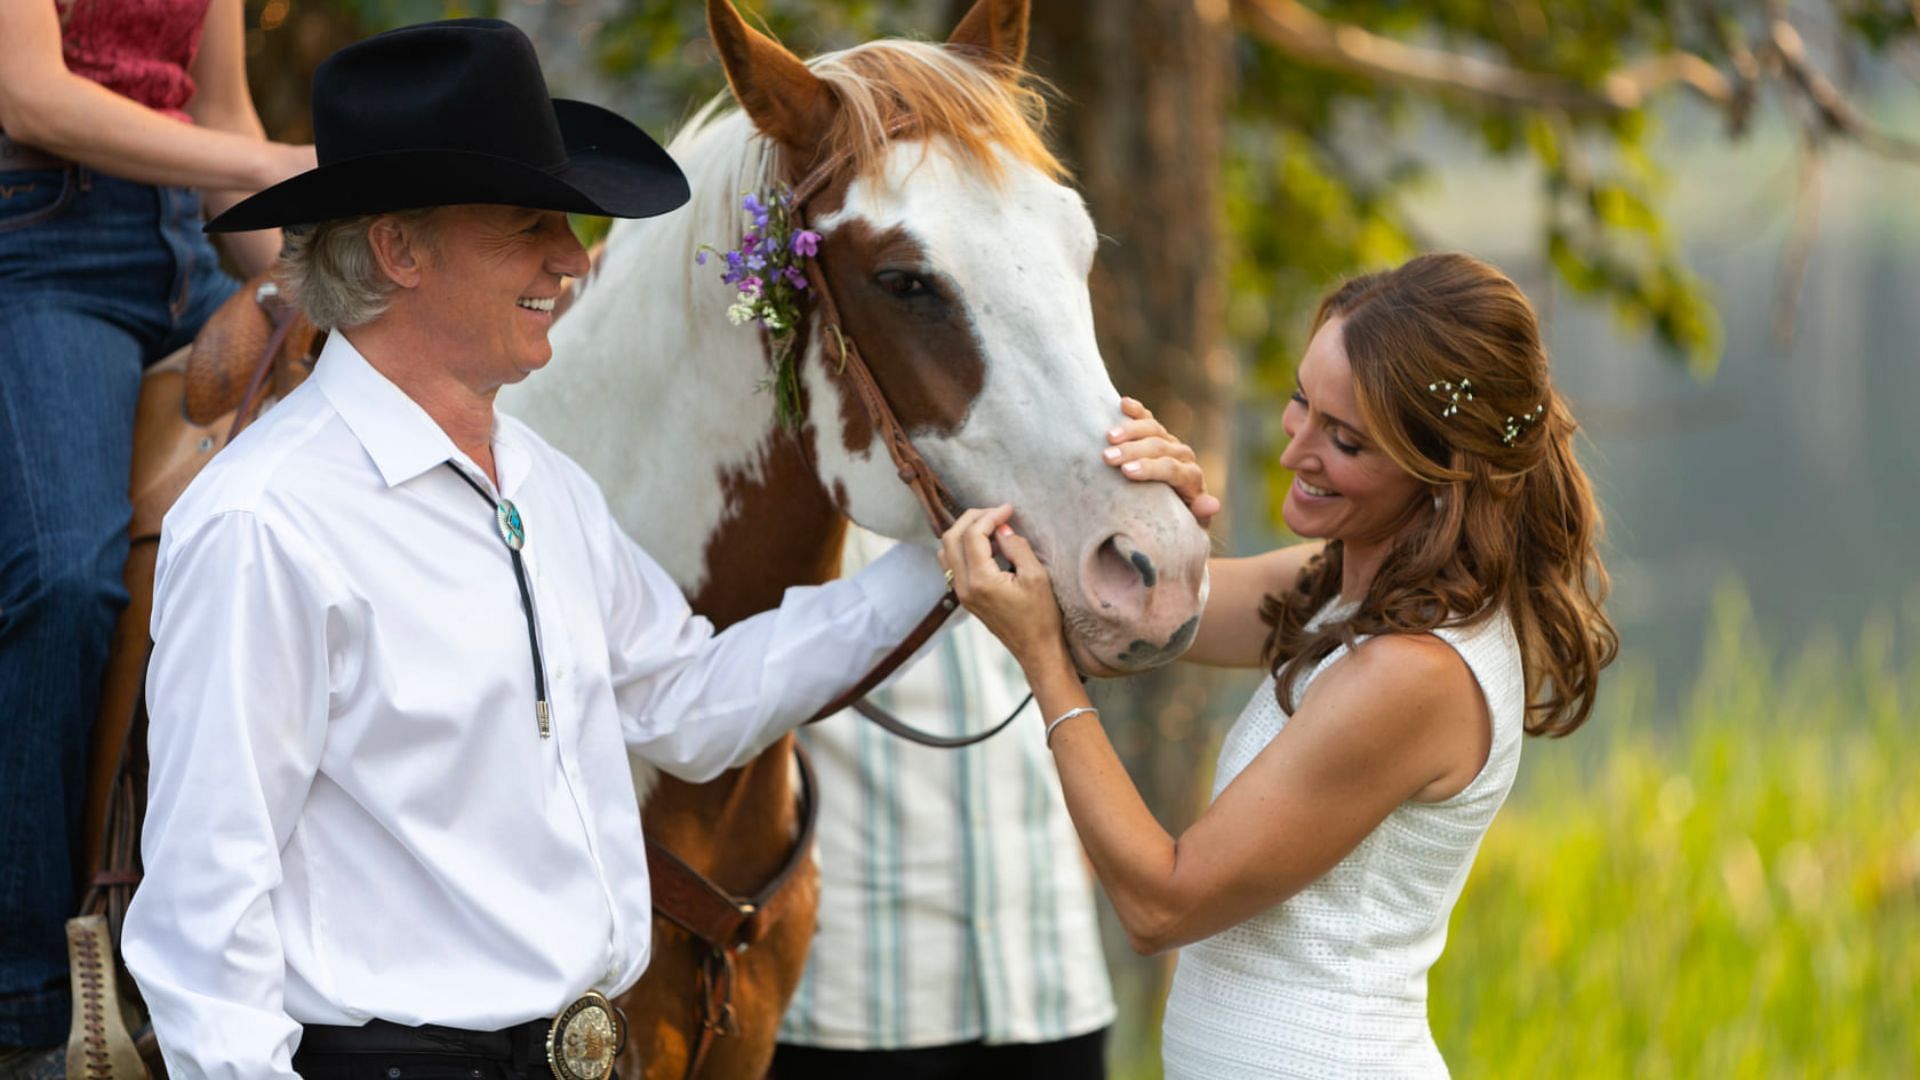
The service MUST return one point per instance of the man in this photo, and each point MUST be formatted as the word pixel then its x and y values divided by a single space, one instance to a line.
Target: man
pixel 958 936
pixel 401 648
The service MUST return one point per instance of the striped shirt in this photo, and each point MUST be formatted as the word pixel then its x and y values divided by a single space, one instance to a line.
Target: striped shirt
pixel 955 902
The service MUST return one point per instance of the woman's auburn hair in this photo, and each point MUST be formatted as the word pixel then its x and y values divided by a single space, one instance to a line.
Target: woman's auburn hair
pixel 1513 525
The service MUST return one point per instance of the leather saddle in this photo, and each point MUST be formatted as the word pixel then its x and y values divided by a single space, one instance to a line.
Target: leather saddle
pixel 252 353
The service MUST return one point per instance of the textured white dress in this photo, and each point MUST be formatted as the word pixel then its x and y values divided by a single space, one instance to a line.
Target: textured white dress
pixel 1333 981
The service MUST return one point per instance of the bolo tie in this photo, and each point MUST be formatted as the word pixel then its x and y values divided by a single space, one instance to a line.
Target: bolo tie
pixel 513 533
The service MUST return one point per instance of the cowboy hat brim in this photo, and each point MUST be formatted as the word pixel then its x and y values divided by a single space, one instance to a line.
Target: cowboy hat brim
pixel 613 169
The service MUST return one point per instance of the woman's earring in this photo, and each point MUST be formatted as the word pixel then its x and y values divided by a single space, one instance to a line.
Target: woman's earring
pixel 1436 502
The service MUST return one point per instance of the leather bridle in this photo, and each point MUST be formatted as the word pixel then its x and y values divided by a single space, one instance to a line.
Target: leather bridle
pixel 935 501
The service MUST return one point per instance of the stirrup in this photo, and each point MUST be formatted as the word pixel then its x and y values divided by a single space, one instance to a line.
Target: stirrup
pixel 98 1046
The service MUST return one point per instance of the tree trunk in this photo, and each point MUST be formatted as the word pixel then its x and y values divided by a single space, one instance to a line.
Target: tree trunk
pixel 1145 85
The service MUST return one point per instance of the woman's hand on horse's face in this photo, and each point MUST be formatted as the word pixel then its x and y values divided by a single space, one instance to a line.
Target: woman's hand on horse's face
pixel 1142 449
pixel 1017 606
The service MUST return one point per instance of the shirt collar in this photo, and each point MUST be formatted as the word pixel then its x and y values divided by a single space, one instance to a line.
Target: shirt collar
pixel 398 435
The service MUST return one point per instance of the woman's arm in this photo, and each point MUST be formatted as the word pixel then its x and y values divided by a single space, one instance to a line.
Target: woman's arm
pixel 223 102
pixel 44 105
pixel 1399 719
pixel 1232 633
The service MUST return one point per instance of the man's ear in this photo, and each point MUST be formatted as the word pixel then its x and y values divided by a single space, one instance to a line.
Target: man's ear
pixel 398 251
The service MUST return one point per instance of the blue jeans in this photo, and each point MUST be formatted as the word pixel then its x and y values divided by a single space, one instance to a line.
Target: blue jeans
pixel 98 278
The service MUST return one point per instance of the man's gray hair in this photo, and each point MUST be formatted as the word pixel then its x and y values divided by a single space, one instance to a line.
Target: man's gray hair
pixel 329 268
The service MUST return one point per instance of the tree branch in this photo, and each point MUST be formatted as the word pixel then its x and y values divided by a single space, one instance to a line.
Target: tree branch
pixel 1314 39
pixel 1836 112
pixel 1747 69
pixel 1310 37
pixel 1799 250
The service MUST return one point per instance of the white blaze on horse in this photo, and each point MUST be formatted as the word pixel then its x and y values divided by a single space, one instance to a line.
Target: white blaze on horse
pixel 958 261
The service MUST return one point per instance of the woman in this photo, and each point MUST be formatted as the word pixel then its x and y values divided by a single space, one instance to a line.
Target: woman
pixel 112 113
pixel 1451 600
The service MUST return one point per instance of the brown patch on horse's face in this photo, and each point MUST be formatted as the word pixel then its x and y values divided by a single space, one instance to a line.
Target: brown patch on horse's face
pixel 910 323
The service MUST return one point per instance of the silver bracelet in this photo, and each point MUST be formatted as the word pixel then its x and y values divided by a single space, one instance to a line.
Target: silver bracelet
pixel 1066 716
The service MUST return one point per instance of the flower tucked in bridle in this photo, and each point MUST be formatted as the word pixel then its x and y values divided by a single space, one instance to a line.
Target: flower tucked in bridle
pixel 766 268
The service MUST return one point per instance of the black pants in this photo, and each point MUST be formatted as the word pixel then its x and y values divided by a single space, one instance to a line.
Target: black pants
pixel 1083 1057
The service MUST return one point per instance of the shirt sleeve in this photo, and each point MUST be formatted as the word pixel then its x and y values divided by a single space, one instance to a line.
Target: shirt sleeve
pixel 237 694
pixel 695 703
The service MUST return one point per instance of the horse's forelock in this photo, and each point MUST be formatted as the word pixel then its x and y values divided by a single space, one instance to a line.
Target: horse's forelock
pixel 976 105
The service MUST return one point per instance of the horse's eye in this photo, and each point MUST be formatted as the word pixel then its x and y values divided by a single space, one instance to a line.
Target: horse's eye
pixel 903 284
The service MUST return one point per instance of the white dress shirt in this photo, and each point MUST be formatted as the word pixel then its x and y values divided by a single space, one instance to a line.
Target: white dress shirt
pixel 353 814
pixel 955 904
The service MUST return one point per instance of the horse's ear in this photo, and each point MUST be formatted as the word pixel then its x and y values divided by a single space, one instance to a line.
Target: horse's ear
pixel 997 28
pixel 787 102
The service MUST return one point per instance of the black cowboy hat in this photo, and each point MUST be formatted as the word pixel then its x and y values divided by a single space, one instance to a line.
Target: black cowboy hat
pixel 457 112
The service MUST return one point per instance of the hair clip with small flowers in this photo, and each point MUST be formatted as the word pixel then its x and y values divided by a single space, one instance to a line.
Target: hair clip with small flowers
pixel 1451 394
pixel 1515 425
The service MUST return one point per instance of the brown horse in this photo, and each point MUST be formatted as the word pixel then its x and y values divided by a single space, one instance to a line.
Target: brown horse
pixel 958 262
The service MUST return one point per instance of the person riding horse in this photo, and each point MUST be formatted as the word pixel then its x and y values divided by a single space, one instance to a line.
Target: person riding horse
pixel 402 650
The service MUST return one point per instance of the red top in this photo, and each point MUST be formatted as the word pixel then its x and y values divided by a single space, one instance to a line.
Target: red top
pixel 141 49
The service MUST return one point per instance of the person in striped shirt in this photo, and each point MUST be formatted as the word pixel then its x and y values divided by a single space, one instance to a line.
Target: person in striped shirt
pixel 957 933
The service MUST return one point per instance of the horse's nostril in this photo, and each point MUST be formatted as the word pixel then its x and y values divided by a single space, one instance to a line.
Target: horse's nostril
pixel 1148 575
pixel 1120 574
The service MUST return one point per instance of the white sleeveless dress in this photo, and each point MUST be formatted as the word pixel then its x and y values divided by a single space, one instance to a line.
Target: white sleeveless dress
pixel 1333 981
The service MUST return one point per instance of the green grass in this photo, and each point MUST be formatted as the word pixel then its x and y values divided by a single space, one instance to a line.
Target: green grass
pixel 1730 892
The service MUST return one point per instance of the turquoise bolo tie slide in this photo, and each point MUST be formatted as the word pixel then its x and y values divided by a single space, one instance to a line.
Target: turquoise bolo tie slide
pixel 511 529
pixel 513 533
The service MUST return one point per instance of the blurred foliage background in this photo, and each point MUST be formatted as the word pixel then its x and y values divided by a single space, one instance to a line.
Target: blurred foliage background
pixel 1712 204
pixel 1733 894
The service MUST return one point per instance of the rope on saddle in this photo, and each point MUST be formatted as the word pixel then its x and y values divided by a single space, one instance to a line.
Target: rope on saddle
pixel 284 315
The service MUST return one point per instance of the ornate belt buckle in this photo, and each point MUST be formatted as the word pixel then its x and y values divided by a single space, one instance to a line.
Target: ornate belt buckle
pixel 586 1038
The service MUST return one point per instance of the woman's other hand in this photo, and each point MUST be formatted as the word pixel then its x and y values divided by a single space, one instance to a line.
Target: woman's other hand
pixel 1142 449
pixel 1017 606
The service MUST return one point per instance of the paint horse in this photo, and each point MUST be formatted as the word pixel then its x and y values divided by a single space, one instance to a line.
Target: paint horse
pixel 958 263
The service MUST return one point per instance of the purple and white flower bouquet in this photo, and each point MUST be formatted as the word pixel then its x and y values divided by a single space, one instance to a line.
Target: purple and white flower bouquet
pixel 767 270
